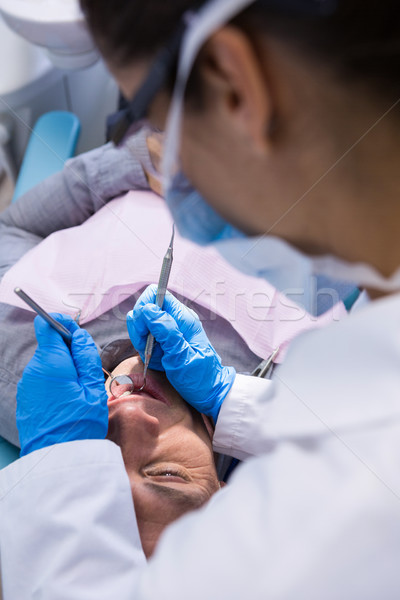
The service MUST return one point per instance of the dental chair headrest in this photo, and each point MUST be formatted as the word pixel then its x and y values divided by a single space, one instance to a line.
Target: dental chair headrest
pixel 56 25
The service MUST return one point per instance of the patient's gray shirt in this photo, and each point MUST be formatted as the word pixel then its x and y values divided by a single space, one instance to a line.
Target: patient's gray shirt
pixel 65 200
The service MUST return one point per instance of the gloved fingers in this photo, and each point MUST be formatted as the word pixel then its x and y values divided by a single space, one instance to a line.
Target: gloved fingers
pixel 52 357
pixel 156 358
pixel 66 320
pixel 187 319
pixel 47 335
pixel 165 330
pixel 184 316
pixel 147 297
pixel 139 341
pixel 134 316
pixel 137 330
pixel 61 396
pixel 87 360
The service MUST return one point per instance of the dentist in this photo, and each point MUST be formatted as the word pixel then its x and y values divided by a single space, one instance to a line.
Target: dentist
pixel 284 115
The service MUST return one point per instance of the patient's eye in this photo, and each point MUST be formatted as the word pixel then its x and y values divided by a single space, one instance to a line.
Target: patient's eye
pixel 169 473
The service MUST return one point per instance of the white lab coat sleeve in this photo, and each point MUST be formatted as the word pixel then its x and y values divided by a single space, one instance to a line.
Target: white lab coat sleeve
pixel 316 518
pixel 308 521
pixel 242 426
pixel 67 524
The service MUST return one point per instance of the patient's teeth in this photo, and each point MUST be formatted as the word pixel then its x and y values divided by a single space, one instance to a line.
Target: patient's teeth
pixel 125 394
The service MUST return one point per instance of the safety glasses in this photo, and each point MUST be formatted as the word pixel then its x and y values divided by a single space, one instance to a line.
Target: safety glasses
pixel 134 115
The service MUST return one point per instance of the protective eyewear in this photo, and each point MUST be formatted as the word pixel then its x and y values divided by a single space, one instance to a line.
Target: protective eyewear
pixel 134 115
pixel 136 111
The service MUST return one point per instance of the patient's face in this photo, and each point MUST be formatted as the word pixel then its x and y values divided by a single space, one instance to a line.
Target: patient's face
pixel 167 450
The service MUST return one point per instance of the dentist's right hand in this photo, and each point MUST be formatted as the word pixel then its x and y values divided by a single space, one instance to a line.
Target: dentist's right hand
pixel 61 396
pixel 184 352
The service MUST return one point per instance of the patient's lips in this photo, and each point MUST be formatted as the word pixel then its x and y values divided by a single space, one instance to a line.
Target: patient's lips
pixel 152 389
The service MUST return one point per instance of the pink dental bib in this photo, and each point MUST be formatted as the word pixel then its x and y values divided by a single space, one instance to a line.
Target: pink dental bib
pixel 91 269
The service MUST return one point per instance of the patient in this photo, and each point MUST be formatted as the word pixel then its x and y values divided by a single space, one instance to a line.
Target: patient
pixel 89 247
pixel 166 446
pixel 65 201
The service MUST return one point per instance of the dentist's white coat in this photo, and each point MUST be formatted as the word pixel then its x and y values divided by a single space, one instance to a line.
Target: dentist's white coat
pixel 316 515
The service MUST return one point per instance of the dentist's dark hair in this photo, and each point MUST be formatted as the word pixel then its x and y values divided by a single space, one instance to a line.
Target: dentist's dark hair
pixel 361 41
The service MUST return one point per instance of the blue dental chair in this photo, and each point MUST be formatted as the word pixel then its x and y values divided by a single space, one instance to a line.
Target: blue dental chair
pixel 53 140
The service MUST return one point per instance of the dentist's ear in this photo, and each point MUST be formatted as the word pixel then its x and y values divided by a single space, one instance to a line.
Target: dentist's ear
pixel 235 84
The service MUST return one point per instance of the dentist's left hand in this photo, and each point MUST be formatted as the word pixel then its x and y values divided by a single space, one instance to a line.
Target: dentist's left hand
pixel 61 396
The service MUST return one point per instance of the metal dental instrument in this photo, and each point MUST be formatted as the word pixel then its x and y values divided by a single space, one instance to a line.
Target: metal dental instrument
pixel 161 290
pixel 266 365
pixel 63 331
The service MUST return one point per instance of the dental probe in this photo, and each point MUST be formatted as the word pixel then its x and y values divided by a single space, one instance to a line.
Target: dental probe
pixel 265 366
pixel 161 291
pixel 63 331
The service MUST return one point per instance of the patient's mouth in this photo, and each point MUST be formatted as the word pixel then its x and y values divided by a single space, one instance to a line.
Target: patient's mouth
pixel 151 389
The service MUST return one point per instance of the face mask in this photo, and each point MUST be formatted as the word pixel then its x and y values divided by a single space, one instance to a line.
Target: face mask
pixel 193 217
pixel 286 269
pixel 281 265
pixel 299 276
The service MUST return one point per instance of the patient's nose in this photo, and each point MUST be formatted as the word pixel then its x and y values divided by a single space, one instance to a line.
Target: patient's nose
pixel 145 427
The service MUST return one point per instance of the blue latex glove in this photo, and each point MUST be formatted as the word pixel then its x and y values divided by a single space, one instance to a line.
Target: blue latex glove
pixel 183 351
pixel 61 396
